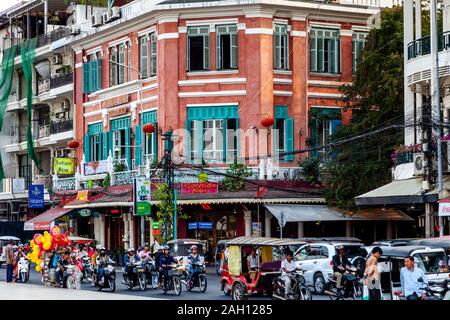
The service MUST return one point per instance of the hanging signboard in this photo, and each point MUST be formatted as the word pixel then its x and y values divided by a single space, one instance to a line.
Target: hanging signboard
pixel 85 212
pixel 156 225
pixel 256 229
pixel 64 166
pixel 96 167
pixel 36 196
pixel 444 208
pixel 142 196
pixel 200 187
pixel 83 195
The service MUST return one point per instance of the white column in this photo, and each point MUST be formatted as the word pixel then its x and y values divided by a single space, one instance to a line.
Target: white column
pixel 348 228
pixel 126 231
pixel 267 224
pixel 132 237
pixel 97 229
pixel 152 238
pixel 446 15
pixel 248 223
pixel 389 230
pixel 428 222
pixel 418 35
pixel 301 229
pixel 408 36
pixel 71 225
pixel 102 230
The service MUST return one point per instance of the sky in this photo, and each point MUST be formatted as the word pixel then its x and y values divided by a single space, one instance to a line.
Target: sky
pixel 5 4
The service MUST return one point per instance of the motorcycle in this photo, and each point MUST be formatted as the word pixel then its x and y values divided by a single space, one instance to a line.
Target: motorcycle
pixel 71 277
pixel 136 276
pixel 351 282
pixel 151 273
pixel 23 269
pixel 88 269
pixel 172 281
pixel 435 290
pixel 109 278
pixel 198 278
pixel 300 290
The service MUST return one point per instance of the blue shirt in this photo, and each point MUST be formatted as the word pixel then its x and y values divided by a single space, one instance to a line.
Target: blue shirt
pixel 410 283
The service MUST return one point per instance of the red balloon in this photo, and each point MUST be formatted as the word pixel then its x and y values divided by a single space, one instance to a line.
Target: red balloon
pixel 267 121
pixel 73 144
pixel 148 128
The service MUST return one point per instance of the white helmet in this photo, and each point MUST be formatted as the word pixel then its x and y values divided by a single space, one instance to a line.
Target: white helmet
pixel 131 250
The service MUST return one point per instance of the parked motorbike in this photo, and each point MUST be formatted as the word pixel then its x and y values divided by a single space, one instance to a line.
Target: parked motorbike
pixel 352 282
pixel 136 277
pixel 172 281
pixel 198 278
pixel 300 290
pixel 151 273
pixel 23 269
pixel 88 269
pixel 109 279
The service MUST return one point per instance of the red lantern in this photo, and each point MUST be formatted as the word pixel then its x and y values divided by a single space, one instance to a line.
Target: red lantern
pixel 148 128
pixel 267 121
pixel 73 144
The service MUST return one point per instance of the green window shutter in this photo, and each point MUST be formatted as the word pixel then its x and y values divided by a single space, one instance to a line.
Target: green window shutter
pixel 198 138
pixel 100 146
pixel 155 143
pixel 206 52
pixel 334 125
pixel 85 77
pixel 332 57
pixel 99 75
pixel 153 55
pixel 313 54
pixel 187 152
pixel 127 147
pixel 276 55
pixel 234 51
pixel 218 52
pixel 188 54
pixel 289 127
pixel 143 56
pixel 87 146
pixel 138 145
pixel 105 145
pixel 320 64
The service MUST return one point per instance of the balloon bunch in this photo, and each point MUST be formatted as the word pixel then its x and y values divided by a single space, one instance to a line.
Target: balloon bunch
pixel 46 242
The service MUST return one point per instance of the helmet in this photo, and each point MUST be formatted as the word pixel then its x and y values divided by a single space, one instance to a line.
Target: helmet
pixel 194 247
pixel 131 250
pixel 146 244
pixel 166 247
pixel 340 247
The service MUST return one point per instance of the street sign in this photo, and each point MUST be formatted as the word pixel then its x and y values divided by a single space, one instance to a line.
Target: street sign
pixel 36 196
pixel 192 225
pixel 142 196
pixel 156 225
pixel 200 225
pixel 85 212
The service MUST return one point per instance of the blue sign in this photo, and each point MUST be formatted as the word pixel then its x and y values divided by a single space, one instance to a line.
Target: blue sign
pixel 205 225
pixel 36 196
pixel 192 225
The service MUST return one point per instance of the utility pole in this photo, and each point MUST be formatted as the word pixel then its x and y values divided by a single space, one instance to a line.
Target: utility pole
pixel 169 177
pixel 427 132
pixel 435 99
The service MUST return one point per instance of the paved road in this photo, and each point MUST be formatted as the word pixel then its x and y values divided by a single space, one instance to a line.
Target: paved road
pixel 213 291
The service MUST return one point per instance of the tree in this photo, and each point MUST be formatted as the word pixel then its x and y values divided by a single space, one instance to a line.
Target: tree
pixel 235 177
pixel 376 100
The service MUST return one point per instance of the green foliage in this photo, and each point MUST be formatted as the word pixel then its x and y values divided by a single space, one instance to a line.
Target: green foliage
pixel 235 175
pixel 119 167
pixel 310 169
pixel 376 99
pixel 107 181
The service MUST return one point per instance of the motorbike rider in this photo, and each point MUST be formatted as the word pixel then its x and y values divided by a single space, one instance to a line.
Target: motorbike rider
pixel 83 252
pixel 63 262
pixel 145 254
pixel 158 255
pixel 130 258
pixel 340 265
pixel 288 266
pixel 102 261
pixel 192 258
pixel 165 261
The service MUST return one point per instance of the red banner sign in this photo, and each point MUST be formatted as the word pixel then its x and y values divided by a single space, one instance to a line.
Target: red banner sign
pixel 200 187
pixel 41 226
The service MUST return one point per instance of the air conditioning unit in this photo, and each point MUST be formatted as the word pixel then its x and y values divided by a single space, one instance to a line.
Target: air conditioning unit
pixel 115 13
pixel 96 19
pixel 419 163
pixel 106 17
pixel 65 105
pixel 74 29
pixel 57 59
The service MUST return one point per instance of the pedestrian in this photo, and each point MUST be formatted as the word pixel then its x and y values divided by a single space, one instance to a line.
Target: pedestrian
pixel 413 281
pixel 372 276
pixel 9 252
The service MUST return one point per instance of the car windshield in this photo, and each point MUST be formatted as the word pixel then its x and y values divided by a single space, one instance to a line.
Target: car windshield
pixel 433 262
pixel 278 251
pixel 354 251
pixel 183 249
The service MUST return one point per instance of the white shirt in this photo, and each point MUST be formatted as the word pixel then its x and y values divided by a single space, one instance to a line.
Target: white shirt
pixel 289 266
pixel 253 261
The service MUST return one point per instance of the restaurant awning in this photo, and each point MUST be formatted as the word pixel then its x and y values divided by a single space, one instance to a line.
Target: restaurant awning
pixel 397 192
pixel 312 213
pixel 42 221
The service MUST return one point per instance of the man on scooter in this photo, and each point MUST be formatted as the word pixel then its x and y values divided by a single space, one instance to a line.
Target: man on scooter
pixel 102 260
pixel 340 265
pixel 192 258
pixel 145 253
pixel 287 267
pixel 165 261
pixel 130 258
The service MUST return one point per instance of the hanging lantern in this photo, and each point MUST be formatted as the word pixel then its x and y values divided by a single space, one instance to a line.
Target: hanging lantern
pixel 73 144
pixel 267 121
pixel 148 129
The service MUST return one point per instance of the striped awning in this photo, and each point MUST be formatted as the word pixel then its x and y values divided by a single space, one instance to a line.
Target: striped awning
pixel 263 241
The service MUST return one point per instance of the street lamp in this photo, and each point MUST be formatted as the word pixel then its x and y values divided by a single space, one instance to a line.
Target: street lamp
pixel 141 114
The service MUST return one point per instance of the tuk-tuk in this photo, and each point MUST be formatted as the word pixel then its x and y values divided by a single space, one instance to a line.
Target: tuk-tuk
pixel 181 248
pixel 433 262
pixel 439 242
pixel 219 255
pixel 3 243
pixel 237 281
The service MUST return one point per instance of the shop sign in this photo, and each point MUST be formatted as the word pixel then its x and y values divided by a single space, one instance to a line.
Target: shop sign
pixel 83 195
pixel 256 229
pixel 36 196
pixel 156 232
pixel 142 196
pixel 64 166
pixel 200 225
pixel 444 209
pixel 96 167
pixel 200 187
pixel 156 225
pixel 118 112
pixel 18 185
pixel 85 212
pixel 115 101
pixel 192 225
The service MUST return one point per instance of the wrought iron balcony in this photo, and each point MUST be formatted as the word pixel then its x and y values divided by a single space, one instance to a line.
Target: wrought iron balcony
pixel 61 80
pixel 61 126
pixel 422 46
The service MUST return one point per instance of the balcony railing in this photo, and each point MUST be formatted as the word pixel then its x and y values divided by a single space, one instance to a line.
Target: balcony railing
pixel 44 86
pixel 61 80
pixel 422 46
pixel 61 126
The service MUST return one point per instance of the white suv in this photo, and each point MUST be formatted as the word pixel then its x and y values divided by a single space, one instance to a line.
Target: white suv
pixel 316 259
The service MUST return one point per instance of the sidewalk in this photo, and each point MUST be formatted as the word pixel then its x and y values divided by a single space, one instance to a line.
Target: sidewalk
pixel 20 291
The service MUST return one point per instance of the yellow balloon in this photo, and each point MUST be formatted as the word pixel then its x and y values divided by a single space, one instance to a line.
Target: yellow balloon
pixel 47 245
pixel 32 243
pixel 38 268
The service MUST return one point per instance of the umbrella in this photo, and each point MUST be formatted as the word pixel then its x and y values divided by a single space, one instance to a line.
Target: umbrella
pixel 9 238
pixel 81 240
